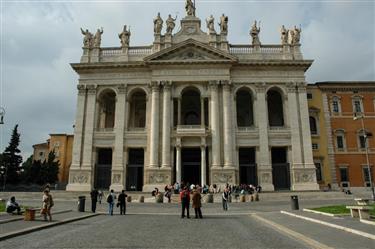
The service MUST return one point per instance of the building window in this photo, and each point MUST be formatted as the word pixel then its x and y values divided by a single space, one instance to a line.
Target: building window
pixel 318 167
pixel 56 144
pixel 41 154
pixel 336 106
pixel 313 126
pixel 340 142
pixel 362 142
pixel 315 146
pixel 344 175
pixel 309 96
pixel 357 104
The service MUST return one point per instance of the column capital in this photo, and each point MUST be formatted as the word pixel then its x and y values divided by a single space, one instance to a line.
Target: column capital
pixel 154 85
pixel 261 87
pixel 122 88
pixel 81 89
pixel 91 89
pixel 227 85
pixel 214 84
pixel 291 87
pixel 301 87
pixel 167 84
pixel 178 143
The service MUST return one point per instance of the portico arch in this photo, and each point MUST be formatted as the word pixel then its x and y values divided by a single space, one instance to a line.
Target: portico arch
pixel 191 106
pixel 244 107
pixel 137 112
pixel 275 107
pixel 107 107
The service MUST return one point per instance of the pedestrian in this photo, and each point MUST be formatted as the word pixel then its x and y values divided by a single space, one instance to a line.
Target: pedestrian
pixel 122 202
pixel 47 205
pixel 94 198
pixel 225 197
pixel 100 196
pixel 185 201
pixel 12 206
pixel 111 200
pixel 197 203
pixel 168 193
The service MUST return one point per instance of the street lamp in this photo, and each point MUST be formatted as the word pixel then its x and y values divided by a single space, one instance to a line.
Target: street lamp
pixel 2 114
pixel 366 135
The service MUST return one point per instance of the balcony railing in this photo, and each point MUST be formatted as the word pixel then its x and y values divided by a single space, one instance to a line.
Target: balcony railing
pixel 104 129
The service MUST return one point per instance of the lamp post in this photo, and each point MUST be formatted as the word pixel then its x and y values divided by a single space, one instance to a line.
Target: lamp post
pixel 366 136
pixel 3 168
pixel 2 114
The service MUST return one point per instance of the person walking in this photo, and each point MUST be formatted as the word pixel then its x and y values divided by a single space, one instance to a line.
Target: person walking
pixel 197 203
pixel 47 205
pixel 185 201
pixel 94 199
pixel 225 197
pixel 111 200
pixel 122 202
pixel 100 196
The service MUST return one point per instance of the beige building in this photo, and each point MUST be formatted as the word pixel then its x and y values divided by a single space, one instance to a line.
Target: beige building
pixel 192 107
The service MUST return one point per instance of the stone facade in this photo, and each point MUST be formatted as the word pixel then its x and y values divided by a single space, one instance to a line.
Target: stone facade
pixel 192 84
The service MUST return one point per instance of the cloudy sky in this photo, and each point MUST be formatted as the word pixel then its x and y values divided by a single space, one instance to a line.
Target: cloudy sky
pixel 40 38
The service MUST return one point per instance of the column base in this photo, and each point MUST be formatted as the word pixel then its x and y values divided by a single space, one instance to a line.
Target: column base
pixel 304 179
pixel 305 186
pixel 78 187
pixel 265 178
pixel 79 180
pixel 267 187
pixel 223 176
pixel 117 187
pixel 157 178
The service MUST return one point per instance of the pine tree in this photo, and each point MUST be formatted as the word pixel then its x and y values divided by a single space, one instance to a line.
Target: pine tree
pixel 27 167
pixel 12 159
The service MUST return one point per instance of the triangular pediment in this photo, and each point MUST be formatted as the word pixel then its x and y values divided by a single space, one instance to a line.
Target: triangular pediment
pixel 190 51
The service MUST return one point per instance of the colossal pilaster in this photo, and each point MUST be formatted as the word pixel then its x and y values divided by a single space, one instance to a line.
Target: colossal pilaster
pixel 227 124
pixel 166 142
pixel 154 129
pixel 215 128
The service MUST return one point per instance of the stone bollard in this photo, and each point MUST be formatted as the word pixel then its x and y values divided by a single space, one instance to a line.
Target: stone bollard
pixel 242 198
pixel 251 197
pixel 256 197
pixel 141 199
pixel 159 198
pixel 210 198
pixel 129 199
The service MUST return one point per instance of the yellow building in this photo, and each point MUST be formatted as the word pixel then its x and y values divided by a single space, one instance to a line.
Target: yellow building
pixel 318 128
pixel 62 144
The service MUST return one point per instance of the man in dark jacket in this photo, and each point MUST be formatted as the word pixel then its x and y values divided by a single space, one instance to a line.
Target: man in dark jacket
pixel 185 201
pixel 94 198
pixel 122 202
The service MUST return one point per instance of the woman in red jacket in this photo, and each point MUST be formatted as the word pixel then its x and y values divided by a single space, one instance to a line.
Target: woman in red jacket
pixel 185 201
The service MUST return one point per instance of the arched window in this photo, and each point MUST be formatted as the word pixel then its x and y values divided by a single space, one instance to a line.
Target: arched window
pixel 137 112
pixel 191 107
pixel 244 105
pixel 275 108
pixel 107 107
pixel 313 126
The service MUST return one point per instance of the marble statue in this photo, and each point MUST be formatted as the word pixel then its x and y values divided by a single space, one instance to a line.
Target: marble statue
pixel 98 38
pixel 254 32
pixel 190 8
pixel 295 36
pixel 125 37
pixel 158 24
pixel 223 24
pixel 170 24
pixel 87 39
pixel 211 24
pixel 284 35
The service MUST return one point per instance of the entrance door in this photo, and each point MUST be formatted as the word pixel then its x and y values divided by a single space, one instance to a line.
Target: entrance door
pixel 248 167
pixel 103 167
pixel 134 171
pixel 280 169
pixel 191 165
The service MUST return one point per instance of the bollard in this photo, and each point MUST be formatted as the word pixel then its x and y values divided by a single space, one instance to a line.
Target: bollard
pixel 159 198
pixel 294 202
pixel 242 198
pixel 256 197
pixel 29 214
pixel 141 199
pixel 129 198
pixel 81 203
pixel 251 197
pixel 210 198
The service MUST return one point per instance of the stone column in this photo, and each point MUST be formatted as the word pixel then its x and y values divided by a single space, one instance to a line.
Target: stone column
pixel 118 155
pixel 154 129
pixel 166 149
pixel 227 124
pixel 179 111
pixel 263 160
pixel 203 164
pixel 215 127
pixel 202 112
pixel 178 160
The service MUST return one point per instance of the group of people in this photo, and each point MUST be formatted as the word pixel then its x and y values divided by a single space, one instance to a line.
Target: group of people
pixel 196 202
pixel 96 196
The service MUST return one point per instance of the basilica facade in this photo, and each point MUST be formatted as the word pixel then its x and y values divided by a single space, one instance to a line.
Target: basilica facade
pixel 192 107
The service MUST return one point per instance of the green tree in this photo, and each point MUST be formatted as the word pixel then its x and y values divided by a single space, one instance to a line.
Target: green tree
pixel 27 167
pixel 12 159
pixel 49 169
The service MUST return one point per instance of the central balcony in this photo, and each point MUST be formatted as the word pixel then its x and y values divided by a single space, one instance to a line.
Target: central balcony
pixel 191 130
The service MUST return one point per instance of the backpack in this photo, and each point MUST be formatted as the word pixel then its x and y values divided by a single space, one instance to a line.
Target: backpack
pixel 110 198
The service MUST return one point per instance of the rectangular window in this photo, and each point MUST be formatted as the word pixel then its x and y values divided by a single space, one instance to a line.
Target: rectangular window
pixel 335 106
pixel 357 106
pixel 340 142
pixel 366 175
pixel 344 174
pixel 362 142
pixel 315 146
pixel 318 168
pixel 41 153
pixel 309 96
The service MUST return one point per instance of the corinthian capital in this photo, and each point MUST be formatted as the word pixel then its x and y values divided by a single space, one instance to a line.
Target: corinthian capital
pixel 155 86
pixel 226 84
pixel 214 84
pixel 166 85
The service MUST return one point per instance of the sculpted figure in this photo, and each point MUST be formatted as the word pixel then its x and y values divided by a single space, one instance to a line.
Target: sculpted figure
pixel 211 24
pixel 284 35
pixel 158 24
pixel 98 38
pixel 254 32
pixel 124 37
pixel 190 8
pixel 170 24
pixel 87 39
pixel 296 35
pixel 223 24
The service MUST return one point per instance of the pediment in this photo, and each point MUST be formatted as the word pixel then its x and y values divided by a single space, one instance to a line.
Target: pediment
pixel 190 51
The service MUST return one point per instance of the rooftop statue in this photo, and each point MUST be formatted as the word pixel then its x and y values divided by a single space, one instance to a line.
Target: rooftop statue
pixel 87 39
pixel 295 36
pixel 170 24
pixel 98 38
pixel 284 35
pixel 190 8
pixel 254 32
pixel 223 24
pixel 124 37
pixel 158 24
pixel 211 24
